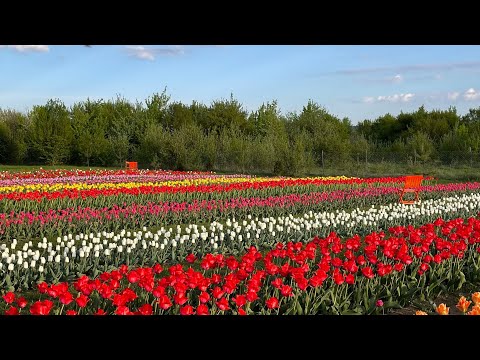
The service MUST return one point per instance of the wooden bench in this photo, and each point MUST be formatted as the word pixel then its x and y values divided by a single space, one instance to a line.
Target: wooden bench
pixel 412 185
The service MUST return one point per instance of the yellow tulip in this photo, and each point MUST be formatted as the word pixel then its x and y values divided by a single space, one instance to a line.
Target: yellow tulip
pixel 475 310
pixel 420 312
pixel 463 304
pixel 476 298
pixel 442 309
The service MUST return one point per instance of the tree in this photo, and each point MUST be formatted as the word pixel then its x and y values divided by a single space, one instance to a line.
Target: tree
pixel 5 142
pixel 14 133
pixel 50 134
pixel 225 113
pixel 89 131
pixel 421 146
pixel 265 120
pixel 156 108
pixel 327 132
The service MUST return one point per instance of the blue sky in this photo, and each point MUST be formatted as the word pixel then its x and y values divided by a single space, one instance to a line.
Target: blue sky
pixel 358 82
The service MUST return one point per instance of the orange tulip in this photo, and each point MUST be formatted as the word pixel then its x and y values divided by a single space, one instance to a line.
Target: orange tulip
pixel 420 312
pixel 475 310
pixel 476 298
pixel 463 304
pixel 442 309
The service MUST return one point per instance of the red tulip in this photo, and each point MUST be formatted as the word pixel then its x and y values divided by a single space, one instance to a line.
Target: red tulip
pixel 146 309
pixel 81 300
pixel 52 292
pixel 9 297
pixel 71 312
pixel 129 294
pixel 240 300
pixel 217 292
pixel 119 300
pixel 42 287
pixel 164 302
pixel 180 298
pixel 302 283
pixel 204 297
pixel 123 310
pixel 337 262
pixel 100 312
pixel 361 260
pixel 186 310
pixel 157 268
pixel 232 263
pixel 286 290
pixel 350 279
pixel 132 276
pixel 398 267
pixel 338 278
pixel 22 302
pixel 202 309
pixel 272 303
pixel 368 272
pixel 241 312
pixel 252 296
pixel 66 298
pixel 216 278
pixel 277 283
pixel 222 304
pixel 41 307
pixel 11 311
pixel 158 291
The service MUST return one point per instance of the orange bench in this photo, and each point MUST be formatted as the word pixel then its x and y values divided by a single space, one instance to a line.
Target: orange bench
pixel 412 185
pixel 131 165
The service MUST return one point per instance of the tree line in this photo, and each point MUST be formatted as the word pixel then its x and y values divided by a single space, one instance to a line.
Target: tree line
pixel 223 136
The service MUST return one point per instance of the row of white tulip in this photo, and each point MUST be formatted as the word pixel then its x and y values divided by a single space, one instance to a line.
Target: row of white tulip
pixel 92 253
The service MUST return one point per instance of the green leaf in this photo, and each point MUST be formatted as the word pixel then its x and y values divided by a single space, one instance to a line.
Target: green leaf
pixel 8 281
pixel 391 305
pixel 299 308
pixel 351 312
pixel 462 280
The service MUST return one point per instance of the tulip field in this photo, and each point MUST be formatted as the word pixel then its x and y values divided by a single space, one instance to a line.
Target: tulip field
pixel 143 242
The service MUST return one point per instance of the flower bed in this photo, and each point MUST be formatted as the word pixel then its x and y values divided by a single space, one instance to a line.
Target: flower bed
pixel 20 221
pixel 326 275
pixel 93 252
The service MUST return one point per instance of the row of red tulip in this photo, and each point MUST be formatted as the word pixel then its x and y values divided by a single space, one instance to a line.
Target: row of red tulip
pixel 325 275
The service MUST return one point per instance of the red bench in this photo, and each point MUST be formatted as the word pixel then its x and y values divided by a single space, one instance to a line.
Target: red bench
pixel 131 165
pixel 412 185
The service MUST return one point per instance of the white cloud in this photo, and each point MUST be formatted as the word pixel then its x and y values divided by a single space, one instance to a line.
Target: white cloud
pixel 27 48
pixel 140 52
pixel 471 94
pixel 390 98
pixel 443 97
pixel 143 53
pixel 397 78
pixel 453 96
pixel 471 65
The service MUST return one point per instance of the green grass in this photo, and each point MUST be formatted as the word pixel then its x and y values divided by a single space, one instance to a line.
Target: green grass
pixel 441 172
